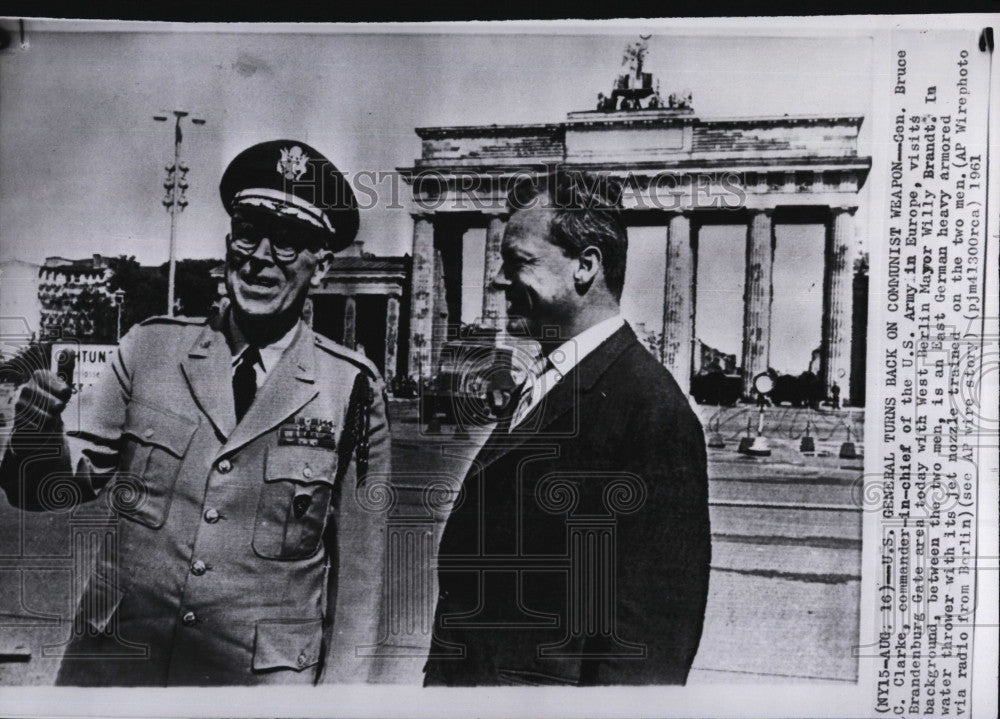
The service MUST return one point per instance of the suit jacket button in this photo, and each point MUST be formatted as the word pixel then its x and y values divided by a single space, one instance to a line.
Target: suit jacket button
pixel 198 567
pixel 302 660
pixel 148 433
pixel 212 515
pixel 189 619
pixel 307 471
pixel 224 466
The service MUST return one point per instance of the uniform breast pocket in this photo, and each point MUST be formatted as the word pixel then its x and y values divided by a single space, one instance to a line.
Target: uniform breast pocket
pixel 155 444
pixel 294 501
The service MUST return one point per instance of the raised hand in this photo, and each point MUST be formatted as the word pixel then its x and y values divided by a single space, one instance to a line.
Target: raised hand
pixel 42 400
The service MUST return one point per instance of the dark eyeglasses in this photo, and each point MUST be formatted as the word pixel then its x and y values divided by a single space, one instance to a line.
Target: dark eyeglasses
pixel 285 245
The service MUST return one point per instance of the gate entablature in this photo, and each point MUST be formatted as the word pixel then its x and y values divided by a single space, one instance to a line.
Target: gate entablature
pixel 679 171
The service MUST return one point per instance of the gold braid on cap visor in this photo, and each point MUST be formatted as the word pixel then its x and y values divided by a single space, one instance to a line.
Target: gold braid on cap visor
pixel 284 203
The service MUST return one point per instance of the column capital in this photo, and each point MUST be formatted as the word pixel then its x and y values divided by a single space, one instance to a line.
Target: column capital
pixel 422 215
pixel 687 215
pixel 766 211
pixel 495 212
pixel 840 209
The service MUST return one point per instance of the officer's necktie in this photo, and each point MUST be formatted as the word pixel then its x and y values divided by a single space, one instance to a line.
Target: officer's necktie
pixel 245 381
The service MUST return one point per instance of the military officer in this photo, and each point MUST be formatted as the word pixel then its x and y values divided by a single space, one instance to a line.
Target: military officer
pixel 238 456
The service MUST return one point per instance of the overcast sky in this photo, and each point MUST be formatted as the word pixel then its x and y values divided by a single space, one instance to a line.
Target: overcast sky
pixel 81 159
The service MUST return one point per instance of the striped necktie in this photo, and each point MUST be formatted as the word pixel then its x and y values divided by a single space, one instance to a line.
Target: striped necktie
pixel 530 388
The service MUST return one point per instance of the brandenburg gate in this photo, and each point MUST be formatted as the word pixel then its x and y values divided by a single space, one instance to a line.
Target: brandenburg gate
pixel 681 173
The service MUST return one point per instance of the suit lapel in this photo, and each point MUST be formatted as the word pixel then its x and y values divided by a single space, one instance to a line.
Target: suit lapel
pixel 208 369
pixel 289 387
pixel 559 400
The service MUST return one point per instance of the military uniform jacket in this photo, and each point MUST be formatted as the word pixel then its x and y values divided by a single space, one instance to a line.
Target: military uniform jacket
pixel 242 553
pixel 578 549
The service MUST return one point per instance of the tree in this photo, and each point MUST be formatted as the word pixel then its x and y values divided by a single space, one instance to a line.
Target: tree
pixel 146 288
pixel 97 316
pixel 196 288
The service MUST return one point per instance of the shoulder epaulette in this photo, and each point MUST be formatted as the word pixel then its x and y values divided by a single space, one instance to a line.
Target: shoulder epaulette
pixel 353 356
pixel 175 320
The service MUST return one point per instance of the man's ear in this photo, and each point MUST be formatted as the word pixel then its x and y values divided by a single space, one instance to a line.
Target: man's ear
pixel 588 264
pixel 322 265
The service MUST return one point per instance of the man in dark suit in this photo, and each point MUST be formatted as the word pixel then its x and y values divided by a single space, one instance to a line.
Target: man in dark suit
pixel 578 549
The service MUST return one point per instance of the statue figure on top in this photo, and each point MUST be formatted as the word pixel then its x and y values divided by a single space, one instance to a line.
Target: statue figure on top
pixel 634 90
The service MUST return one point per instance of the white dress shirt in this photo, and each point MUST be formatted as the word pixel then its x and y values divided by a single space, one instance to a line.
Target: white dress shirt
pixel 564 358
pixel 270 354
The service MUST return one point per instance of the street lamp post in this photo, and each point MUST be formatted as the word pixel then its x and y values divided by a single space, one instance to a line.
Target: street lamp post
pixel 175 201
pixel 119 302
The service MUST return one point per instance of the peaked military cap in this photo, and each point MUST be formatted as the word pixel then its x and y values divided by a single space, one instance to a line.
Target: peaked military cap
pixel 293 180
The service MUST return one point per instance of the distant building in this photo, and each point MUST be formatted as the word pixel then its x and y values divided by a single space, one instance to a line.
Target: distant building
pixel 60 282
pixel 38 297
pixel 363 302
pixel 20 307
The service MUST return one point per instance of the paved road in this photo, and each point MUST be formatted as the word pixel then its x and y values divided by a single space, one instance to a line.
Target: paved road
pixel 784 593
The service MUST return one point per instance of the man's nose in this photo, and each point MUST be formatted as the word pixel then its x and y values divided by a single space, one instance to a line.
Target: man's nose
pixel 263 252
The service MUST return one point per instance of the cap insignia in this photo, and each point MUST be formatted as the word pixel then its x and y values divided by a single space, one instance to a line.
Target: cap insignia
pixel 292 164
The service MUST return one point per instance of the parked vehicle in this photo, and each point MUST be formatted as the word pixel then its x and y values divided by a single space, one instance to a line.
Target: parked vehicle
pixel 473 381
pixel 716 387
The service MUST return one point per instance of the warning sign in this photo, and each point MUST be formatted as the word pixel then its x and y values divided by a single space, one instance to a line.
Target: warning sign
pixel 85 362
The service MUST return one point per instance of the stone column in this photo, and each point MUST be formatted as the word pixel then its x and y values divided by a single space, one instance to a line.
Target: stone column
pixel 440 317
pixel 391 337
pixel 494 302
pixel 757 296
pixel 678 300
pixel 421 296
pixel 838 300
pixel 350 321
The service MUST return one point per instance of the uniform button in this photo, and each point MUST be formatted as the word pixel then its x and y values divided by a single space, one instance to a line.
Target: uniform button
pixel 198 567
pixel 148 433
pixel 189 619
pixel 224 466
pixel 307 471
pixel 212 516
pixel 302 660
